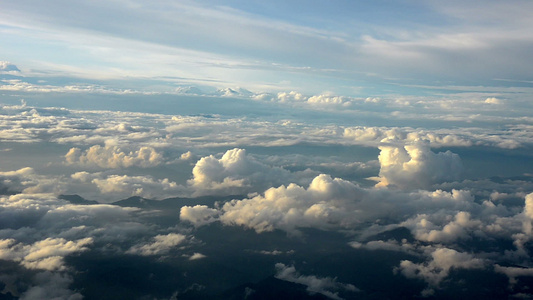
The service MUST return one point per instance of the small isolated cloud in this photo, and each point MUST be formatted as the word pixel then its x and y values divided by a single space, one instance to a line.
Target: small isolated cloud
pixel 438 268
pixel 126 186
pixel 326 286
pixel 162 244
pixel 514 272
pixel 6 66
pixel 493 100
pixel 197 256
pixel 416 166
pixel 114 157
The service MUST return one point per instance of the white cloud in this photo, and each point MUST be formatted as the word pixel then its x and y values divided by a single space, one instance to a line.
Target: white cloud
pixel 326 203
pixel 197 256
pixel 326 286
pixel 114 157
pixel 459 228
pixel 199 215
pixel 161 245
pixel 438 268
pixel 144 186
pixel 416 166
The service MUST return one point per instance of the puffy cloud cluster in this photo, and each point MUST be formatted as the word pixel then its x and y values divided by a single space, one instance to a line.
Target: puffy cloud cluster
pixel 326 203
pixel 326 286
pixel 438 268
pixel 46 254
pixel 114 157
pixel 416 166
pixel 379 135
pixel 234 173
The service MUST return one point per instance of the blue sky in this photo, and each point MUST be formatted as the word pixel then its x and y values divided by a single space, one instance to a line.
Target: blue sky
pixel 360 48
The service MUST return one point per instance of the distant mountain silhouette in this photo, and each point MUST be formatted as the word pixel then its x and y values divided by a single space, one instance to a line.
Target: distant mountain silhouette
pixel 77 199
pixel 172 203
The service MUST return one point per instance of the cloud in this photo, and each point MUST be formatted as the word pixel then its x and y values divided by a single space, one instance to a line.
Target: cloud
pixel 113 157
pixel 8 67
pixel 144 186
pixel 528 209
pixel 46 254
pixel 197 256
pixel 326 203
pixel 199 215
pixel 416 166
pixel 514 272
pixel 50 285
pixel 326 286
pixel 442 261
pixel 162 244
pixel 493 100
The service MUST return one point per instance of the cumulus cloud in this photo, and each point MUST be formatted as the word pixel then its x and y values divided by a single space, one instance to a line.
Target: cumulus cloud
pixel 442 260
pixel 162 244
pixel 326 286
pixel 331 204
pixel 17 181
pixel 234 173
pixel 416 166
pixel 326 203
pixel 199 215
pixel 46 254
pixel 197 256
pixel 376 136
pixel 459 228
pixel 114 157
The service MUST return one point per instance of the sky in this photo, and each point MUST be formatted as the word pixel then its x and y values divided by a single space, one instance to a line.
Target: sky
pixel 350 48
pixel 266 149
